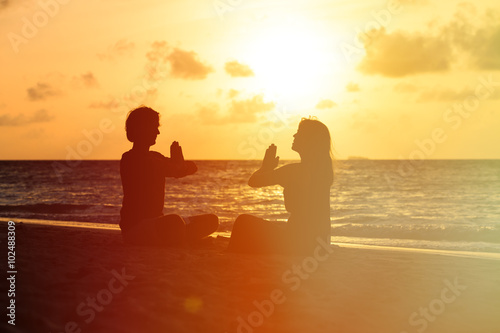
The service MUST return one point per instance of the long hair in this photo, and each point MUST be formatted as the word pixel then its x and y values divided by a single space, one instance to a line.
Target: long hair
pixel 319 148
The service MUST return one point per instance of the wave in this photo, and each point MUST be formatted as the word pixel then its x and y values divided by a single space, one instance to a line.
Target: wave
pixel 430 232
pixel 55 208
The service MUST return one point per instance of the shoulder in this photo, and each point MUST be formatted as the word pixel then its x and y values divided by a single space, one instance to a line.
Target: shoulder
pixel 126 157
pixel 288 173
pixel 135 158
pixel 290 169
pixel 156 155
pixel 126 154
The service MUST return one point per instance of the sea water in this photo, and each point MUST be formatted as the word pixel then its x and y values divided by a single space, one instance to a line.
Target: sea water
pixel 437 204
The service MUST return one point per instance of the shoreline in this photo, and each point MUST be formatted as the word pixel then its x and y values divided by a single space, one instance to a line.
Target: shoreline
pixel 86 278
pixel 107 226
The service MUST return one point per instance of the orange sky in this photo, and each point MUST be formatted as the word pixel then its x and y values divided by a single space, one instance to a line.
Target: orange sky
pixel 391 79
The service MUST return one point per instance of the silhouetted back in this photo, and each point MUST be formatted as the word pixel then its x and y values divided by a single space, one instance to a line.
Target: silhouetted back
pixel 143 182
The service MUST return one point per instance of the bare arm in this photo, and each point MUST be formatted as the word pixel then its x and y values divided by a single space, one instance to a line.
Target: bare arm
pixel 267 174
pixel 176 166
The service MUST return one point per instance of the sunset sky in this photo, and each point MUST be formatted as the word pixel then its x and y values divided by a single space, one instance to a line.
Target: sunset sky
pixel 400 79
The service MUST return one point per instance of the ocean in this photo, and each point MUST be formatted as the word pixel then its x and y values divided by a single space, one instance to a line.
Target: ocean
pixel 432 204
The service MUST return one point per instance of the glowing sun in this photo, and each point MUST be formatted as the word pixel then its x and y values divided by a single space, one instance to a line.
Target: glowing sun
pixel 288 59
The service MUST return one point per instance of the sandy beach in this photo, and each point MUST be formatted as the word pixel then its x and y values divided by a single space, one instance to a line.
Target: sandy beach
pixel 80 279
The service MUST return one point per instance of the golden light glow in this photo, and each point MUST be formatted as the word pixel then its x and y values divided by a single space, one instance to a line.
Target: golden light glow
pixel 308 57
pixel 287 59
pixel 193 304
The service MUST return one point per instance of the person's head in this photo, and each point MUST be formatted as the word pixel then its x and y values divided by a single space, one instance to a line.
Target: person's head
pixel 142 125
pixel 312 138
pixel 314 144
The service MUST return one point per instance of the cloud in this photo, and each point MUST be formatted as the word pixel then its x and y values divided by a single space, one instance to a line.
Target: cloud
pixel 120 48
pixel 325 104
pixel 46 88
pixel 41 91
pixel 438 94
pixel 87 80
pixel 4 4
pixel 110 104
pixel 157 59
pixel 232 93
pixel 39 116
pixel 246 111
pixel 413 2
pixel 238 111
pixel 487 55
pixel 404 87
pixel 209 114
pixel 185 65
pixel 35 134
pixel 352 87
pixel 443 94
pixel 400 54
pixel 366 121
pixel 236 69
pixel 469 39
pixel 480 42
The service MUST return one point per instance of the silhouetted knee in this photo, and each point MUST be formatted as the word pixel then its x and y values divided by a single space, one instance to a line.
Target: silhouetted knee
pixel 172 230
pixel 243 221
pixel 212 222
pixel 175 221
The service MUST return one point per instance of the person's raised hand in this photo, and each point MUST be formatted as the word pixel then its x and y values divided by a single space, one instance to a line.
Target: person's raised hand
pixel 270 161
pixel 176 152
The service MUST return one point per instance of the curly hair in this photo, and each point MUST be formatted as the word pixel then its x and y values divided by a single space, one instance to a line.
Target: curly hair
pixel 138 119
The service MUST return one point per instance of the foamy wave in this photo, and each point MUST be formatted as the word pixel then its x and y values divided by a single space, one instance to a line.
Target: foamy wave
pixel 431 232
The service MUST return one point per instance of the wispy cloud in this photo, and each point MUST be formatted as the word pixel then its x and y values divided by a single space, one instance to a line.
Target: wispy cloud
pixel 182 64
pixel 325 104
pixel 4 4
pixel 42 91
pixel 236 69
pixel 476 35
pixel 232 93
pixel 121 48
pixel 238 111
pixel 405 87
pixel 40 116
pixel 246 111
pixel 186 65
pixel 399 54
pixel 109 104
pixel 86 80
pixel 444 94
pixel 55 84
pixel 352 87
pixel 469 39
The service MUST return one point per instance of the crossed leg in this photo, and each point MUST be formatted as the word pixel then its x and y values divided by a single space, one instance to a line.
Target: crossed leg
pixel 171 230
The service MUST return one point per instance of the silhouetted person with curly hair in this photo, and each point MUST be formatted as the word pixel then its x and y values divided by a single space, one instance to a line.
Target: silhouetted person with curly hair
pixel 143 174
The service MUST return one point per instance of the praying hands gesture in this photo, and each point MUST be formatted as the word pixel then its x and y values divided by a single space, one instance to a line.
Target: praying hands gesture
pixel 178 167
pixel 270 161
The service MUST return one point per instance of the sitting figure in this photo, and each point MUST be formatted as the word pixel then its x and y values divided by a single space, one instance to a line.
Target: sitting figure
pixel 306 193
pixel 143 175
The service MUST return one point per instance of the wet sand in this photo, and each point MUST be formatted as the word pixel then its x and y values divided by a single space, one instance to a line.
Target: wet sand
pixel 84 279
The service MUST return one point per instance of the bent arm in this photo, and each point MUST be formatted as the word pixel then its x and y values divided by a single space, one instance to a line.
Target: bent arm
pixel 262 177
pixel 266 175
pixel 176 166
pixel 281 176
pixel 179 169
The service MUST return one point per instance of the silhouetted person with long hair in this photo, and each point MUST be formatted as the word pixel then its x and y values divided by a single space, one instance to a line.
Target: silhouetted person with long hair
pixel 306 193
pixel 143 175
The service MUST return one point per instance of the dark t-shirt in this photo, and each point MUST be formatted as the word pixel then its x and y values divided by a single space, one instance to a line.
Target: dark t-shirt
pixel 143 182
